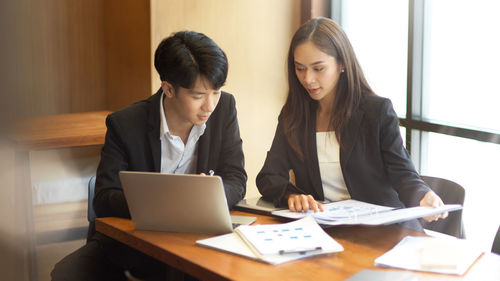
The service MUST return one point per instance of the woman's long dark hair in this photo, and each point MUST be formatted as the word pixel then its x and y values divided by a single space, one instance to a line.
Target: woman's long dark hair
pixel 327 36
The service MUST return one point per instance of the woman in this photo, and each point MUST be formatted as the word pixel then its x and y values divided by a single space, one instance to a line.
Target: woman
pixel 335 136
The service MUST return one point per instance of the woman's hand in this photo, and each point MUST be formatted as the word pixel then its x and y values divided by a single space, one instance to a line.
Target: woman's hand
pixel 432 200
pixel 303 203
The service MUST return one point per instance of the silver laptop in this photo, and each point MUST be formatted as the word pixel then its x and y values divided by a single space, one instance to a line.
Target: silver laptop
pixel 178 203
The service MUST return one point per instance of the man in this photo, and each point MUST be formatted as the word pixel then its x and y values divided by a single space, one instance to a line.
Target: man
pixel 188 126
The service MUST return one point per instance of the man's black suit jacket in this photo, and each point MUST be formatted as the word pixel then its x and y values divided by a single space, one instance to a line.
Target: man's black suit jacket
pixel 133 144
pixel 375 165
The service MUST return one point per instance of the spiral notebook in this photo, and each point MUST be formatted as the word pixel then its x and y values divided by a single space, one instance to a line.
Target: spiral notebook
pixel 276 243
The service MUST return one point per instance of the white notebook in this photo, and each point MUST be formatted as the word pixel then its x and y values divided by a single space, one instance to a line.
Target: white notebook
pixel 276 243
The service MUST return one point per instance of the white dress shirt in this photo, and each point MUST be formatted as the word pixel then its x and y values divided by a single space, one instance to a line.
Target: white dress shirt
pixel 177 158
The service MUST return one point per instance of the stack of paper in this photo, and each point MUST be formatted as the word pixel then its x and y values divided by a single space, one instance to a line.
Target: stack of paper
pixel 356 212
pixel 383 275
pixel 440 255
pixel 276 243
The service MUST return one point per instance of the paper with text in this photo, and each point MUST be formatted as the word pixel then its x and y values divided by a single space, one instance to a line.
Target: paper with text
pixel 303 236
pixel 351 212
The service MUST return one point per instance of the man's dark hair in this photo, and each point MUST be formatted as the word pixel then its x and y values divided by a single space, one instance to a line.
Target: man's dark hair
pixel 185 55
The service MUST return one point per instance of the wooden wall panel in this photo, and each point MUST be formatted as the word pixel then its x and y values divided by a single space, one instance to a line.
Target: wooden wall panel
pixel 128 46
pixel 63 57
pixel 82 55
pixel 314 8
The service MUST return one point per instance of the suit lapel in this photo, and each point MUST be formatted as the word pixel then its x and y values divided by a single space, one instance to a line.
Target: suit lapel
pixel 311 156
pixel 351 135
pixel 154 130
pixel 203 149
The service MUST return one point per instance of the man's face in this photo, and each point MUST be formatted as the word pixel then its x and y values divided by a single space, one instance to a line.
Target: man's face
pixel 192 106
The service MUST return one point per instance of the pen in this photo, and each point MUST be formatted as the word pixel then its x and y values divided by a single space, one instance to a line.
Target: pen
pixel 211 172
pixel 301 251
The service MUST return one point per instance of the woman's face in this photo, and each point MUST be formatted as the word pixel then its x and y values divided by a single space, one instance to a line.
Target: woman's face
pixel 318 72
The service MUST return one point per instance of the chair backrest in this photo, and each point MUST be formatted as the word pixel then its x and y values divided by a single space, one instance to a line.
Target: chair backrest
pixel 130 277
pixel 90 208
pixel 496 243
pixel 451 193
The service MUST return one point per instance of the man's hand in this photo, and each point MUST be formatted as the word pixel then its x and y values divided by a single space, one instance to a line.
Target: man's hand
pixel 303 203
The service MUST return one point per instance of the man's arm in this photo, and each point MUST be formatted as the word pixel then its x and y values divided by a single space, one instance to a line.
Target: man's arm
pixel 231 162
pixel 109 199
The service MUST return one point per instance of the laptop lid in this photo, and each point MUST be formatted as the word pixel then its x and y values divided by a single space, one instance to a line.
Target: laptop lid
pixel 176 202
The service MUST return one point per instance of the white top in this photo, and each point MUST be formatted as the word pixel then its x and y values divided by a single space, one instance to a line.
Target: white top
pixel 177 158
pixel 332 179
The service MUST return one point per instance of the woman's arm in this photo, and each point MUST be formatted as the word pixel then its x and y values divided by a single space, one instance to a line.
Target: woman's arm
pixel 398 164
pixel 273 180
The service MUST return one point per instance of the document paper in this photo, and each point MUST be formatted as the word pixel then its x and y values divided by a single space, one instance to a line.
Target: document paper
pixel 350 212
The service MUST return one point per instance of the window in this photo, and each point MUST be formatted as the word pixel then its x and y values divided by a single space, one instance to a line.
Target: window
pixel 380 41
pixel 475 166
pixel 461 59
pixel 438 61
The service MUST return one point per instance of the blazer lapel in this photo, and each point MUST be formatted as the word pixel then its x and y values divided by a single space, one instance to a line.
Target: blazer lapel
pixel 311 156
pixel 154 130
pixel 203 149
pixel 351 135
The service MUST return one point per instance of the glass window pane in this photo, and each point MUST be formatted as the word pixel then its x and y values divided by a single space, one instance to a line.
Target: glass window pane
pixel 378 31
pixel 474 165
pixel 461 63
pixel 403 134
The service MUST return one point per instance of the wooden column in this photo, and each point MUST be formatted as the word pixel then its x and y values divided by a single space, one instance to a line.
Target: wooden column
pixel 314 8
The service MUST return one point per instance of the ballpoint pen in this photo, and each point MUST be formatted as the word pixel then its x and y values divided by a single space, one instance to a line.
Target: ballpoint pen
pixel 301 251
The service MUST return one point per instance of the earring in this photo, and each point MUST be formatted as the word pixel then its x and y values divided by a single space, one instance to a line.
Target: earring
pixel 342 70
pixel 169 93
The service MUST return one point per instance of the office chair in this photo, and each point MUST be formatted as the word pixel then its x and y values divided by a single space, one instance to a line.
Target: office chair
pixel 451 193
pixel 496 243
pixel 90 208
pixel 130 277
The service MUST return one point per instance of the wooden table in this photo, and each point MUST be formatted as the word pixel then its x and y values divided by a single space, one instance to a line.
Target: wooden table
pixel 43 133
pixel 361 246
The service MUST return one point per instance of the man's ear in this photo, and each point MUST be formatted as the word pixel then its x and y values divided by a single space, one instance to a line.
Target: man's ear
pixel 168 89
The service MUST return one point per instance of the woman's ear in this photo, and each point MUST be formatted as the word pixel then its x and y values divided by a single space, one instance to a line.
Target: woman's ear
pixel 168 89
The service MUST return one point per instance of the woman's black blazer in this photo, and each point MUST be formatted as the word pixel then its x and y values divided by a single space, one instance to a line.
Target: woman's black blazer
pixel 375 165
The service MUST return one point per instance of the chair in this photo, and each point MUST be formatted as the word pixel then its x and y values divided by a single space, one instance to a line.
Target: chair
pixel 90 208
pixel 130 277
pixel 496 243
pixel 451 193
